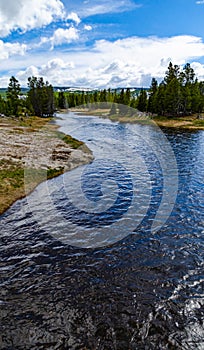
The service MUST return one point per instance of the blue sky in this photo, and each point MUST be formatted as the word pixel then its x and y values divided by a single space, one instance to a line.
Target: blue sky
pixel 99 43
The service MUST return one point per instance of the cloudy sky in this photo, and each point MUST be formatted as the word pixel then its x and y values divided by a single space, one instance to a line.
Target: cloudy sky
pixel 99 43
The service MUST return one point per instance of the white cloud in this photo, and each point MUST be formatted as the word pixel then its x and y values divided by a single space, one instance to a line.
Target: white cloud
pixel 54 65
pixel 4 81
pixel 52 71
pixel 29 72
pixel 64 36
pixel 106 6
pixel 28 14
pixel 126 62
pixel 150 52
pixel 199 70
pixel 74 17
pixel 87 27
pixel 200 2
pixel 11 49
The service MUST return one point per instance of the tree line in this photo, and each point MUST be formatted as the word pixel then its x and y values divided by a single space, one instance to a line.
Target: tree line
pixel 74 99
pixel 38 101
pixel 179 93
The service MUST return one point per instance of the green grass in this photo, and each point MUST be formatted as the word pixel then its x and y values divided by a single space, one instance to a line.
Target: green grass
pixel 54 172
pixel 38 175
pixel 33 122
pixel 198 123
pixel 71 141
pixel 16 182
pixel 12 177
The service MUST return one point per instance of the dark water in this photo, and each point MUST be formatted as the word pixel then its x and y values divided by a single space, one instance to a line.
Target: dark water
pixel 140 282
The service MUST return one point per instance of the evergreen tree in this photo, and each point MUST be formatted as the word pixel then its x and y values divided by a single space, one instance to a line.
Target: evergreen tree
pixel 178 94
pixel 96 96
pixel 13 93
pixel 109 96
pixel 83 100
pixel 3 106
pixel 40 97
pixel 127 97
pixel 152 96
pixel 121 98
pixel 62 103
pixel 160 99
pixel 188 74
pixel 171 73
pixel 115 97
pixel 196 98
pixel 142 101
pixel 186 99
pixel 172 100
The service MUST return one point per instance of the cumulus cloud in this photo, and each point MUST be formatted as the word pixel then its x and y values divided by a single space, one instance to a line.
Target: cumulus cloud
pixel 54 65
pixel 150 52
pixel 29 72
pixel 52 71
pixel 199 70
pixel 126 62
pixel 11 49
pixel 64 36
pixel 87 27
pixel 24 15
pixel 4 81
pixel 74 17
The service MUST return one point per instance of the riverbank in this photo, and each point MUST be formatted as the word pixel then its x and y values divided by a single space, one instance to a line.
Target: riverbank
pixel 186 122
pixel 33 146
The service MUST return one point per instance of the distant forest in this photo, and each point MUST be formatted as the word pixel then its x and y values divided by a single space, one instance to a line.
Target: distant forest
pixel 180 93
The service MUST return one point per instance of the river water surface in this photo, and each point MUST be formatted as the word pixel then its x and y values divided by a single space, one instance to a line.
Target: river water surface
pixel 110 255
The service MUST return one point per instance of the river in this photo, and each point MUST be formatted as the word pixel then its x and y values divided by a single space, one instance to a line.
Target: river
pixel 109 255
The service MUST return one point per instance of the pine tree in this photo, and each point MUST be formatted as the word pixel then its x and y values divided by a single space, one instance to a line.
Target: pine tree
pixel 40 97
pixel 127 97
pixel 142 101
pixel 172 99
pixel 160 99
pixel 3 106
pixel 171 73
pixel 13 93
pixel 152 96
pixel 62 103
pixel 196 98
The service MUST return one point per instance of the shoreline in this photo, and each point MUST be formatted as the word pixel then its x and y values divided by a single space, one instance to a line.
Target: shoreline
pixel 33 151
pixel 187 122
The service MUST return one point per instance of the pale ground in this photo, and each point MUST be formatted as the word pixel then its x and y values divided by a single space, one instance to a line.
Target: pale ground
pixel 41 152
pixel 40 149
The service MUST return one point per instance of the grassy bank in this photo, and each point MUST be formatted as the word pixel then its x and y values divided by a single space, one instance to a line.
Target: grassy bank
pixel 181 122
pixel 12 186
pixel 186 122
pixel 16 135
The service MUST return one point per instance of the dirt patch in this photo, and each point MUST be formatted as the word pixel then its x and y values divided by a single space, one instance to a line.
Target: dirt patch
pixel 38 149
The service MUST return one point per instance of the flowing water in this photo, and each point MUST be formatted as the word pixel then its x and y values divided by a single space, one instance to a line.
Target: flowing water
pixel 110 255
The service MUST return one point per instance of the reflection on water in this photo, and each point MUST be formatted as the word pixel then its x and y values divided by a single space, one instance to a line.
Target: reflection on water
pixel 142 292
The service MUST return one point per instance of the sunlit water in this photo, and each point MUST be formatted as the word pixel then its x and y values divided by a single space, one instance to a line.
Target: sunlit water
pixel 134 288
